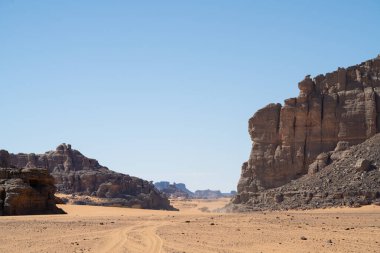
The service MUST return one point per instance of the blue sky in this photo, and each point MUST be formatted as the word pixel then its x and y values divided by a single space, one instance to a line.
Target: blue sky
pixel 163 90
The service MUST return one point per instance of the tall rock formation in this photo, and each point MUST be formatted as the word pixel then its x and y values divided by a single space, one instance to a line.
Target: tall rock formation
pixel 74 173
pixel 334 110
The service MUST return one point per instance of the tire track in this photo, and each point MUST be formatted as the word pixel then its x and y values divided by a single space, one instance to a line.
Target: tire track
pixel 134 239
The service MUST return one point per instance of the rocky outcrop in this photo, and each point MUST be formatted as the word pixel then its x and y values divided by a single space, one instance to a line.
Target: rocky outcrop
pixel 332 111
pixel 350 178
pixel 76 174
pixel 26 191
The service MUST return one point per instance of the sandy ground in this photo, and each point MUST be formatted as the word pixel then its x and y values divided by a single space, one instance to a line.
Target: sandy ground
pixel 112 229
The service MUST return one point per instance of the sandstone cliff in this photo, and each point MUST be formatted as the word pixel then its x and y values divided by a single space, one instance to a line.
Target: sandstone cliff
pixel 74 173
pixel 335 110
pixel 26 191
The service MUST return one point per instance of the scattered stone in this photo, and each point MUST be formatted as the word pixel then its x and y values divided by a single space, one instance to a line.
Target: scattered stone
pixel 362 165
pixel 303 238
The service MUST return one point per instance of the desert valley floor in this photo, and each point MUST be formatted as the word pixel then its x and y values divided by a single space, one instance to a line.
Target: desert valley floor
pixel 112 229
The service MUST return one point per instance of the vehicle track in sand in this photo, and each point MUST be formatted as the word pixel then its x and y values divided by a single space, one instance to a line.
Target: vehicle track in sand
pixel 137 238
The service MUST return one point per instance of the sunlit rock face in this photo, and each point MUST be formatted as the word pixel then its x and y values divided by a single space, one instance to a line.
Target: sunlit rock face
pixel 337 108
pixel 25 191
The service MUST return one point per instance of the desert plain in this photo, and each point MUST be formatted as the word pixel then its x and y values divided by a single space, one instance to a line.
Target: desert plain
pixel 195 228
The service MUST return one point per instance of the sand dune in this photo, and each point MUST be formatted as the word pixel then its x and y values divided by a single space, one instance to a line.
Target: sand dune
pixel 111 229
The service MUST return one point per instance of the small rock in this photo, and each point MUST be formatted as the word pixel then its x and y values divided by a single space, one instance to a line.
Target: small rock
pixel 362 165
pixel 303 238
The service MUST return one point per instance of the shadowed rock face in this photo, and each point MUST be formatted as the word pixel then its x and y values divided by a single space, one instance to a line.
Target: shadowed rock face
pixel 76 174
pixel 333 110
pixel 26 191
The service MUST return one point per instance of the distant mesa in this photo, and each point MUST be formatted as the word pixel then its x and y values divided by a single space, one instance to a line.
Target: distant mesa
pixel 210 194
pixel 304 153
pixel 76 174
pixel 175 190
pixel 179 190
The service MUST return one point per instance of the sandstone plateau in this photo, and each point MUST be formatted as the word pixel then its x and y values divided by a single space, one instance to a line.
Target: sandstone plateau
pixel 179 190
pixel 76 174
pixel 332 113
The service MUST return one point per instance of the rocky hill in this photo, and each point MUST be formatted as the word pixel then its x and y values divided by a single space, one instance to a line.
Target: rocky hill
pixel 26 191
pixel 76 174
pixel 332 112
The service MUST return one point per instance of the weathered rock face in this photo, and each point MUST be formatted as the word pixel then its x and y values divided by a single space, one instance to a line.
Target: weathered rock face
pixel 350 177
pixel 26 191
pixel 332 111
pixel 76 174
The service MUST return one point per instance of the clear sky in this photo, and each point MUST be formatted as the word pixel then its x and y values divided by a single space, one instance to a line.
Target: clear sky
pixel 163 90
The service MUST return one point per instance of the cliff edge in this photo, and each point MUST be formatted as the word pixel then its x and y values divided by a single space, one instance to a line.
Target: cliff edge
pixel 332 112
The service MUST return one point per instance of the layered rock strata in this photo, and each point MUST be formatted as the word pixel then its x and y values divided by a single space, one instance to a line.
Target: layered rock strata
pixel 74 173
pixel 332 111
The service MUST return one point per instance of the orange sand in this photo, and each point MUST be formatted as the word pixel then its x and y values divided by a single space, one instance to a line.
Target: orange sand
pixel 112 229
